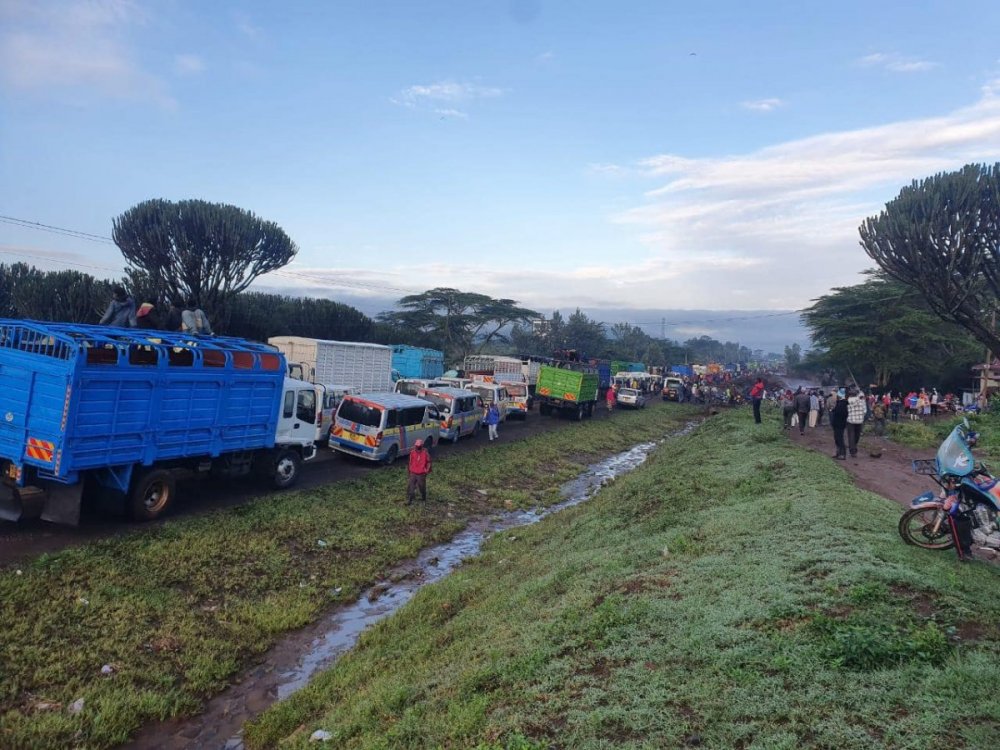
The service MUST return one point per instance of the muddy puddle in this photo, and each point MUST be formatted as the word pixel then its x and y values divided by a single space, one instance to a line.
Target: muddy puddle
pixel 294 660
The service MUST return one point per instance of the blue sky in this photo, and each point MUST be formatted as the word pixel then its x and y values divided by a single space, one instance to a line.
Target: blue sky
pixel 559 153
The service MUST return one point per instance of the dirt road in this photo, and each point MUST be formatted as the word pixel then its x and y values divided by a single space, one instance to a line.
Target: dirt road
pixel 28 539
pixel 890 475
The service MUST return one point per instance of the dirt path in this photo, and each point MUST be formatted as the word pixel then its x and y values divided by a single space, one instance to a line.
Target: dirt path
pixel 890 476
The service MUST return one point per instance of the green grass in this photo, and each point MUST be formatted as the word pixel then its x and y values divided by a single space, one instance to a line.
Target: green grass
pixel 736 591
pixel 179 609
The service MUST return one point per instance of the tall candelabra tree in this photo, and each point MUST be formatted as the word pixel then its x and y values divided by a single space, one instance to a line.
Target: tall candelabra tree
pixel 941 236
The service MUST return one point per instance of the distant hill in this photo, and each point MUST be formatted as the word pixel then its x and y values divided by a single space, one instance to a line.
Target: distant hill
pixel 770 330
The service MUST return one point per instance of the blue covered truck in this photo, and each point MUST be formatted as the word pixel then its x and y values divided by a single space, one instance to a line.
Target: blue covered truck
pixel 122 413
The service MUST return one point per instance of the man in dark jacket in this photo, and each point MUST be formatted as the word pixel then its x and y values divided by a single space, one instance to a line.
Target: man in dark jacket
pixel 802 408
pixel 838 420
pixel 419 468
pixel 121 309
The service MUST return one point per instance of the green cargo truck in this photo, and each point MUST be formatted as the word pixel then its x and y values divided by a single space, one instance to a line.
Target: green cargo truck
pixel 570 391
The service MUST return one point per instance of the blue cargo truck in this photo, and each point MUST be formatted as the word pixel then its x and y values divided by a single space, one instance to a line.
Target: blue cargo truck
pixel 122 413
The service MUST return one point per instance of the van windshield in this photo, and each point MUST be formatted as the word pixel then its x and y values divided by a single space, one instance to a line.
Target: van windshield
pixel 354 411
pixel 443 404
pixel 485 393
pixel 516 390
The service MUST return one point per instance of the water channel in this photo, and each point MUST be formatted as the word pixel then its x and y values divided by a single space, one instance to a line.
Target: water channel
pixel 296 658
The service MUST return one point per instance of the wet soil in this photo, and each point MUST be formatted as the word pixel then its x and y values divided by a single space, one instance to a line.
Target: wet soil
pixel 20 541
pixel 891 475
pixel 296 658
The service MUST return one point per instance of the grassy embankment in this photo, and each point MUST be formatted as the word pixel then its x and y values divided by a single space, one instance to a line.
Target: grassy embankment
pixel 178 609
pixel 736 591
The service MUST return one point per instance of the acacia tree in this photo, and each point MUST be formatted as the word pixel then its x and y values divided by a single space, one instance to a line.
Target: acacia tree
pixel 210 251
pixel 457 321
pixel 941 236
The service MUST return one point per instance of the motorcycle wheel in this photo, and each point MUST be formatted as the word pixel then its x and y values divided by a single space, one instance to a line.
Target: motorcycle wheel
pixel 926 527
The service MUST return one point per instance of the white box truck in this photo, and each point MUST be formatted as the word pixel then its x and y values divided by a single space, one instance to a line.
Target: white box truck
pixel 365 368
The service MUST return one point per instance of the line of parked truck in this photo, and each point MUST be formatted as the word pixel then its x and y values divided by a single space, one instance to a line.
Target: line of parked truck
pixel 120 414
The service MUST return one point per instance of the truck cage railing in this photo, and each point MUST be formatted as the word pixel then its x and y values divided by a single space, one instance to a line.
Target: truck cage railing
pixel 107 345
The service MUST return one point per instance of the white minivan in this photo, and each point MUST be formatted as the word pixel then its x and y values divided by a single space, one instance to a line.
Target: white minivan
pixel 383 426
pixel 493 393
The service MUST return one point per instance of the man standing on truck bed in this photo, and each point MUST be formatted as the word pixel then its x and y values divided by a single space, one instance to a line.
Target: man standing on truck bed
pixel 420 467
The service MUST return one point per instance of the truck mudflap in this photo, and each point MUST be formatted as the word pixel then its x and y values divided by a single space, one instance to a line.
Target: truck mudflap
pixel 55 502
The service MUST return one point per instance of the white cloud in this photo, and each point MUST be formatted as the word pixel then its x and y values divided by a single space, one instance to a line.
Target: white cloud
pixel 188 64
pixel 76 45
pixel 794 208
pixel 763 105
pixel 444 92
pixel 896 63
pixel 455 114
pixel 546 57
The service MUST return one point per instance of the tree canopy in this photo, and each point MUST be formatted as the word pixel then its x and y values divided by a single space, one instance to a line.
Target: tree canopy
pixel 210 251
pixel 460 322
pixel 887 335
pixel 941 236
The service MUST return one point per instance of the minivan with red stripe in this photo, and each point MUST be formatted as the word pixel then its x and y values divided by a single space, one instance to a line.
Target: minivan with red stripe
pixel 383 426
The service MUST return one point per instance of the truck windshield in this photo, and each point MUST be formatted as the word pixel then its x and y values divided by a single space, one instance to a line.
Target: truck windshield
pixel 354 411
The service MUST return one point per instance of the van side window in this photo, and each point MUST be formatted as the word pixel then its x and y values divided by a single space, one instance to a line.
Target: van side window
pixel 414 415
pixel 289 408
pixel 391 418
pixel 306 408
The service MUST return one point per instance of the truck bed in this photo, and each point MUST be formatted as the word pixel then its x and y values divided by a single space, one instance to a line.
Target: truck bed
pixel 75 397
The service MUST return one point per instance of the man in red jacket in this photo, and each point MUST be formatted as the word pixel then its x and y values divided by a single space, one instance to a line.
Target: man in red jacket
pixel 756 395
pixel 420 467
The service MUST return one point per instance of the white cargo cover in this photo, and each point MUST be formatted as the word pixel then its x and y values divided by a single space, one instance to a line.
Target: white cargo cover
pixel 367 368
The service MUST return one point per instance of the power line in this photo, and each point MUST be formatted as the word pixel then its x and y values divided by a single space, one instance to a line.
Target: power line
pixel 37 225
pixel 350 284
pixel 56 230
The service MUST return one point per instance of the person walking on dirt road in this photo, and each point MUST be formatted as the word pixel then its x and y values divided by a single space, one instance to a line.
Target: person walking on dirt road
pixel 857 406
pixel 419 468
pixel 757 395
pixel 802 408
pixel 838 420
pixel 492 420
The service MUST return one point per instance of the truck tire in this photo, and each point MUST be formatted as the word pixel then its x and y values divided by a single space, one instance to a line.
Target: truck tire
pixel 285 469
pixel 580 411
pixel 151 494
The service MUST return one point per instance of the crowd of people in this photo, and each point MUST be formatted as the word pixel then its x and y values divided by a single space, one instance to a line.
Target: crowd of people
pixel 848 409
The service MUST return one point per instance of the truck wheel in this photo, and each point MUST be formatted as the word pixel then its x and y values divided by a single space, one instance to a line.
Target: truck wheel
pixel 579 413
pixel 286 469
pixel 391 456
pixel 151 494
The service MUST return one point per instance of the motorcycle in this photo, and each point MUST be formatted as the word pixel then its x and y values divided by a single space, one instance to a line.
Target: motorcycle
pixel 966 511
